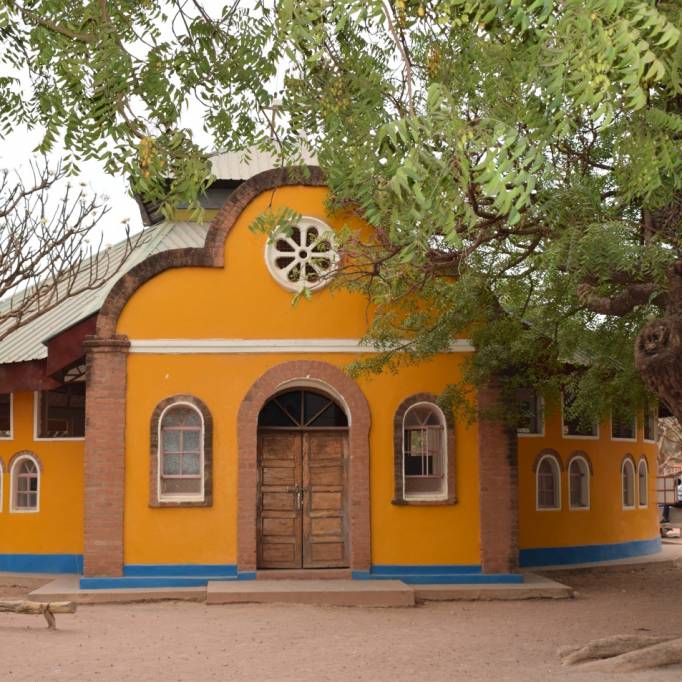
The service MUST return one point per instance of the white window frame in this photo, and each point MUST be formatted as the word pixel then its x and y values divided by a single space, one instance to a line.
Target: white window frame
pixel 654 409
pixel 11 420
pixel 36 424
pixel 556 467
pixel 624 463
pixel 12 482
pixel 2 483
pixel 430 497
pixel 568 436
pixel 588 479
pixel 541 417
pixel 624 440
pixel 643 461
pixel 159 459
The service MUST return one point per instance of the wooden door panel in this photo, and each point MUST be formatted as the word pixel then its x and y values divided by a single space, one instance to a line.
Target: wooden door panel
pixel 325 526
pixel 279 524
pixel 326 475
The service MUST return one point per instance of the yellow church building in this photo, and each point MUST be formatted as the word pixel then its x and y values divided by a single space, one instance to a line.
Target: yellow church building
pixel 186 423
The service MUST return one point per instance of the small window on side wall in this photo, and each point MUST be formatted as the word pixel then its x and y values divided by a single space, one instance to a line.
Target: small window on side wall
pixel 5 416
pixel 574 426
pixel 651 423
pixel 628 483
pixel 25 484
pixel 424 462
pixel 181 453
pixel 548 483
pixel 531 413
pixel 61 412
pixel 579 483
pixel 643 482
pixel 623 425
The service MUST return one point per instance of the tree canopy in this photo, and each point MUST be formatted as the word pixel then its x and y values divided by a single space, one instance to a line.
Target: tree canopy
pixel 520 160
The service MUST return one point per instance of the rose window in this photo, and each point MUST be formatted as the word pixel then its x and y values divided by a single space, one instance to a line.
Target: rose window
pixel 304 257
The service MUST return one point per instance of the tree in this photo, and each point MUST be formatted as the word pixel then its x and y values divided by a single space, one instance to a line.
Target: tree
pixel 520 161
pixel 46 254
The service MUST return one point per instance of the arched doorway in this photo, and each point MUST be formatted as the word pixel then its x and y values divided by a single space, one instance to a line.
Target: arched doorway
pixel 302 497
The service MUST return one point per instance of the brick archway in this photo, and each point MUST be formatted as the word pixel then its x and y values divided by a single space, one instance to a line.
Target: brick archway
pixel 304 373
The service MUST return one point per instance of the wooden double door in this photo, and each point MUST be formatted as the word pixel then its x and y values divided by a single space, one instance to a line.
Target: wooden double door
pixel 302 499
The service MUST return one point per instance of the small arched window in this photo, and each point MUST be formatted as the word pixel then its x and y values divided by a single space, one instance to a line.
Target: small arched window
pixel 424 448
pixel 578 483
pixel 643 482
pixel 628 483
pixel 181 464
pixel 25 484
pixel 548 483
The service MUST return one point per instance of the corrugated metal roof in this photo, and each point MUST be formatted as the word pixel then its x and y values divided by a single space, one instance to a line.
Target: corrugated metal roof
pixel 246 163
pixel 27 342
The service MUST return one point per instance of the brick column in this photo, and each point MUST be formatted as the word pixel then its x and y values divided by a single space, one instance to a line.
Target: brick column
pixel 498 483
pixel 104 454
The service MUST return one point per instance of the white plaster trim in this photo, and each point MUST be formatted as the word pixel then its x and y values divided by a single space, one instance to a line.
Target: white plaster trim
pixel 228 346
pixel 11 430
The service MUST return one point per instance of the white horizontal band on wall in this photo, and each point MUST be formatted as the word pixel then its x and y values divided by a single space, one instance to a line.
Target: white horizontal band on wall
pixel 192 346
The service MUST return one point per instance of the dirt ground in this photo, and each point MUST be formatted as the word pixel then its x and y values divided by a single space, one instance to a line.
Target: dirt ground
pixel 453 641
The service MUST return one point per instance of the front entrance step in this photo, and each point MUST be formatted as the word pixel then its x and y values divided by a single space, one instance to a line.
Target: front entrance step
pixel 67 588
pixel 320 592
pixel 533 587
pixel 304 574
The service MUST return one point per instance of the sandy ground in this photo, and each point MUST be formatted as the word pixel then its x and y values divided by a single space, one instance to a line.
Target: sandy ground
pixel 438 641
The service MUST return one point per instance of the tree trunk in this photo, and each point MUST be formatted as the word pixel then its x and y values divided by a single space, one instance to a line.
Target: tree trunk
pixel 658 349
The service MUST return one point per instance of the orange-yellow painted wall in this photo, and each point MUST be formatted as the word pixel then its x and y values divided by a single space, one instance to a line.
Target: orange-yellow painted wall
pixel 408 535
pixel 58 527
pixel 606 521
pixel 242 301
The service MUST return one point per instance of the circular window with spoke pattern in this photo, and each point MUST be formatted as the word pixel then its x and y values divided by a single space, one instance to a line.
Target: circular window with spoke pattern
pixel 304 256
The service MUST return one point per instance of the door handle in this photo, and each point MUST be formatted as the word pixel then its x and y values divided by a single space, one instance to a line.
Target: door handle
pixel 299 497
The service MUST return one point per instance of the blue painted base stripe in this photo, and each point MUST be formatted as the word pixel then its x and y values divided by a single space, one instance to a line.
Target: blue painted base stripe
pixel 149 582
pixel 585 554
pixel 427 569
pixel 178 570
pixel 41 563
pixel 437 575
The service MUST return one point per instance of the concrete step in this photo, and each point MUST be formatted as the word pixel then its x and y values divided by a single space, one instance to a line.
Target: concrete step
pixel 67 588
pixel 320 592
pixel 533 587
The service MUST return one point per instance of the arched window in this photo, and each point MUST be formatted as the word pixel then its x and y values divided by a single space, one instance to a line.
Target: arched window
pixel 578 483
pixel 548 483
pixel 181 453
pixel 628 480
pixel 643 482
pixel 423 452
pixel 25 484
pixel 424 447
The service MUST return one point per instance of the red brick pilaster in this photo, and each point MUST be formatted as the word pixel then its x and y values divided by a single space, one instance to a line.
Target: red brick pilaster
pixel 104 455
pixel 498 482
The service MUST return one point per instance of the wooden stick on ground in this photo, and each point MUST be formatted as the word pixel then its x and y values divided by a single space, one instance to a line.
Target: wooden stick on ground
pixel 48 609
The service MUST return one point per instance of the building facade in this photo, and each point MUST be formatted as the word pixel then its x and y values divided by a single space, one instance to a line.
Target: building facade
pixel 217 435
